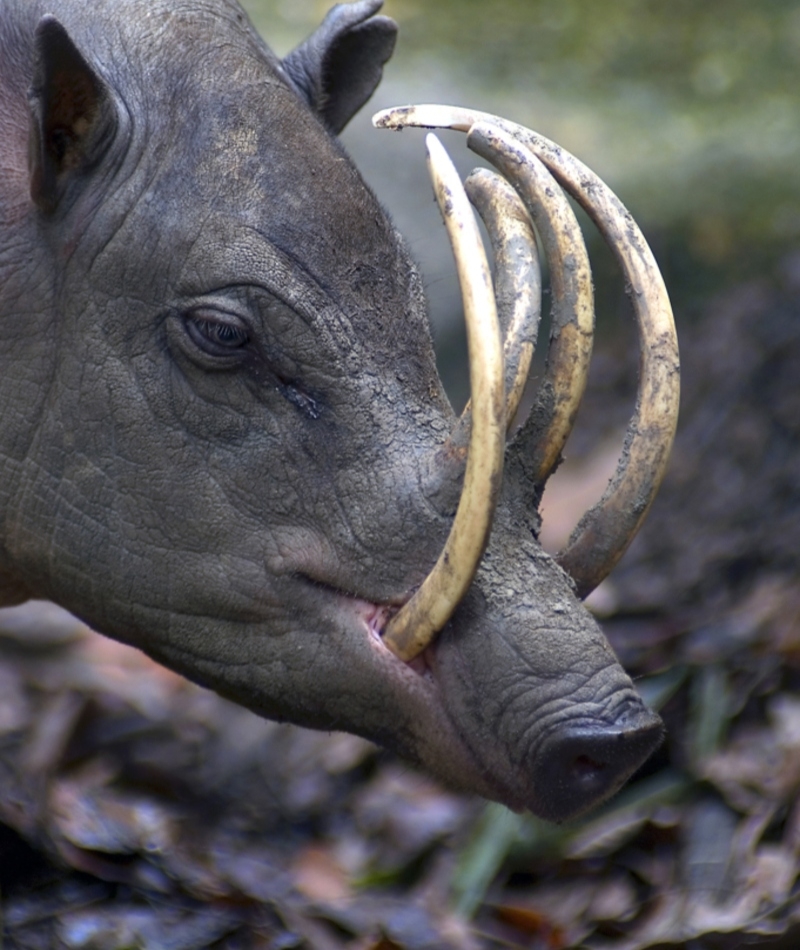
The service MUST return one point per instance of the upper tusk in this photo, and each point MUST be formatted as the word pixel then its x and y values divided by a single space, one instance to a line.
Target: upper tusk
pixel 518 276
pixel 429 116
pixel 572 331
pixel 417 622
pixel 605 531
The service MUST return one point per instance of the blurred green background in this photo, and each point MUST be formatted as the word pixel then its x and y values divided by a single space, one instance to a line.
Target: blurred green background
pixel 689 110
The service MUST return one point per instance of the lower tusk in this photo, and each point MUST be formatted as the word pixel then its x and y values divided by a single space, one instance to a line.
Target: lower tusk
pixel 415 625
pixel 605 531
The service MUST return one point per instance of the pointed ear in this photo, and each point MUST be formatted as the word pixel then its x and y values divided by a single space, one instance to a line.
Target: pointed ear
pixel 73 115
pixel 338 67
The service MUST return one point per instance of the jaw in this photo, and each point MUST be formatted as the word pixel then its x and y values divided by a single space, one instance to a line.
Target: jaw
pixel 430 737
pixel 578 759
pixel 512 702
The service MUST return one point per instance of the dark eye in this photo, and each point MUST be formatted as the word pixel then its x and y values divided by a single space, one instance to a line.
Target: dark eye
pixel 217 334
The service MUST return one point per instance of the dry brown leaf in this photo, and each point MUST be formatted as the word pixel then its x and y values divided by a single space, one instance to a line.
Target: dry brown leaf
pixel 531 923
pixel 318 875
pixel 576 485
pixel 95 817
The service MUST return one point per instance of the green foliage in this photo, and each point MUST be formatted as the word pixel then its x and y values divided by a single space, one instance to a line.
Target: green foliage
pixel 689 110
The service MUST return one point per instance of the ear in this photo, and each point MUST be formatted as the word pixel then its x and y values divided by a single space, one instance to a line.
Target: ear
pixel 73 115
pixel 338 67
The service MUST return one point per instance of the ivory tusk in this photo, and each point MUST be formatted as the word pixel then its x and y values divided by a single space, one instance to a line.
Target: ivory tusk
pixel 415 625
pixel 518 276
pixel 605 531
pixel 429 116
pixel 572 332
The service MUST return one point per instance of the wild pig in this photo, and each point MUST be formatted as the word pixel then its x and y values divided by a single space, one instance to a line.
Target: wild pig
pixel 223 438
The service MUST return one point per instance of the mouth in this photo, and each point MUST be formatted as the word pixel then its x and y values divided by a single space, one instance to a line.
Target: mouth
pixel 441 747
pixel 376 618
pixel 590 755
pixel 373 618
pixel 432 739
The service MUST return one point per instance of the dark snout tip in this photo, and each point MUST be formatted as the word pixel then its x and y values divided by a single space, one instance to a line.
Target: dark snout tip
pixel 590 761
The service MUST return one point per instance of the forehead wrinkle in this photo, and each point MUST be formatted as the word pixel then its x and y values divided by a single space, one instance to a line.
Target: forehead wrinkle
pixel 250 259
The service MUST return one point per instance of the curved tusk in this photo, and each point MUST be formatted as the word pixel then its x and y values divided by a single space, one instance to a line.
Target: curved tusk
pixel 605 531
pixel 572 332
pixel 518 292
pixel 430 116
pixel 518 276
pixel 417 622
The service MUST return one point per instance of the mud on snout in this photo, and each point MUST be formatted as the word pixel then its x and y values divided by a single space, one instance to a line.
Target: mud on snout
pixel 535 691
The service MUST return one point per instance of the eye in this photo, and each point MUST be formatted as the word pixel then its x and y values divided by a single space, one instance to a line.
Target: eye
pixel 218 334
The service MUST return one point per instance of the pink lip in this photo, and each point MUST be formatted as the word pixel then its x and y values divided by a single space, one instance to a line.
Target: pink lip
pixel 376 616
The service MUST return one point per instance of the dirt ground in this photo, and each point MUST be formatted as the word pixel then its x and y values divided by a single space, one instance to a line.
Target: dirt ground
pixel 139 811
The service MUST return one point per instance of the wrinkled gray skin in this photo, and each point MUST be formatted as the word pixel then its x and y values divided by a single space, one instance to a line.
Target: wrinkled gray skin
pixel 220 413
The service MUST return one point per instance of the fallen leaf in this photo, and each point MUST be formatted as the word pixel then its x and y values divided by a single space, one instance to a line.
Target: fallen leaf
pixel 318 875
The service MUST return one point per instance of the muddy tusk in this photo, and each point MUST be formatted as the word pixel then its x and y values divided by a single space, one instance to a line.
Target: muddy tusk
pixel 518 276
pixel 417 622
pixel 572 332
pixel 605 531
pixel 518 291
pixel 429 116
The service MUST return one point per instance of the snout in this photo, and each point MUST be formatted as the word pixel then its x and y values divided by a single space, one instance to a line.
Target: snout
pixel 587 762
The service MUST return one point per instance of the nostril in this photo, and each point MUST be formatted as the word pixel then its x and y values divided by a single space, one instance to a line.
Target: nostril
pixel 583 764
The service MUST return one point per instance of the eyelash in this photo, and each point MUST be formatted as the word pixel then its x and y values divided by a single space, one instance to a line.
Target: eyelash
pixel 222 336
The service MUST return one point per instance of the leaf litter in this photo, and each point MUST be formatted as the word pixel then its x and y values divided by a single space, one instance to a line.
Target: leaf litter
pixel 140 811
